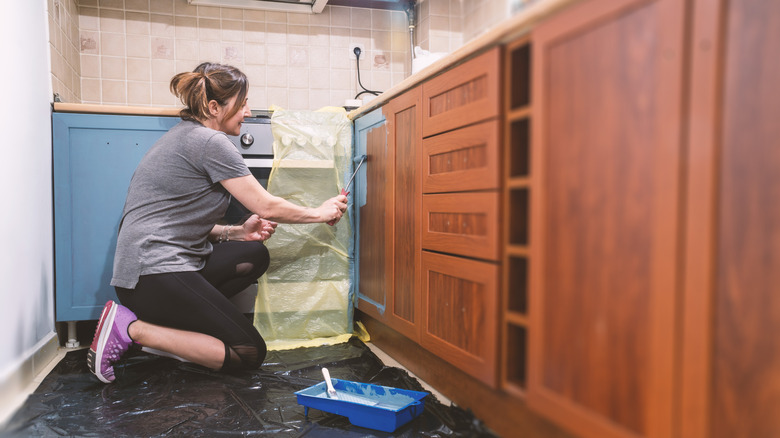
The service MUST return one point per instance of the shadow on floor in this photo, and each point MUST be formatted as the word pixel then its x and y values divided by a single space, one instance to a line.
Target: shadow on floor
pixel 156 396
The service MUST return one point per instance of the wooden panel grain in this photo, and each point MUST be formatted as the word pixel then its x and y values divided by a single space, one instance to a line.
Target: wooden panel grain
pixel 460 305
pixel 746 373
pixel 467 94
pixel 463 159
pixel 375 232
pixel 604 205
pixel 462 223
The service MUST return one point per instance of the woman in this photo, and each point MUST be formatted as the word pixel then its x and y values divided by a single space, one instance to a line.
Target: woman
pixel 175 268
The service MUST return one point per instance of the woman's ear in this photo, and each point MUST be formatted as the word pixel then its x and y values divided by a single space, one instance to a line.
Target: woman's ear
pixel 214 108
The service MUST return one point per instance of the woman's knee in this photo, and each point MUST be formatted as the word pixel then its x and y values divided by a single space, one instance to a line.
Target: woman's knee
pixel 256 261
pixel 250 356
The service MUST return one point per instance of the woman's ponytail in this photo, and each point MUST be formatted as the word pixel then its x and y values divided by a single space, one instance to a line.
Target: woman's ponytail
pixel 209 81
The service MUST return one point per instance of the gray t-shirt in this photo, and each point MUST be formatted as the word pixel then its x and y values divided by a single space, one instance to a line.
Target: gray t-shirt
pixel 174 200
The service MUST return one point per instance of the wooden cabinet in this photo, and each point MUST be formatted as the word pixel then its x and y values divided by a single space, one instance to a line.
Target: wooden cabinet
pixel 94 158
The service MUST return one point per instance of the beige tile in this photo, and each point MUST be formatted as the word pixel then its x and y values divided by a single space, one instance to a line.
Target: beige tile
pixel 275 33
pixel 232 30
pixel 276 55
pixel 137 23
pixel 252 15
pixel 254 32
pixel 321 98
pixel 399 41
pixel 233 53
pixel 340 79
pixel 299 78
pixel 337 97
pixel 298 19
pixel 162 70
pixel 208 29
pixel 139 69
pixel 209 51
pixel 319 79
pixel 90 90
pixel 340 16
pixel 138 46
pixel 380 40
pixel 137 5
pixel 209 12
pixel 278 97
pixel 182 65
pixel 161 6
pixel 399 21
pixel 186 49
pixel 255 74
pixel 112 44
pixel 90 3
pixel 380 60
pixel 339 37
pixel 161 94
pixel 89 42
pixel 112 21
pixel 439 7
pixel 321 19
pixel 232 14
pixel 181 7
pixel 319 36
pixel 276 17
pixel 380 19
pixel 361 18
pixel 162 48
pixel 380 80
pixel 114 92
pixel 276 77
pixel 298 99
pixel 319 58
pixel 139 93
pixel 439 44
pixel 112 67
pixel 297 35
pixel 163 25
pixel 361 36
pixel 90 66
pixel 257 97
pixel 115 4
pixel 88 19
pixel 254 54
pixel 186 27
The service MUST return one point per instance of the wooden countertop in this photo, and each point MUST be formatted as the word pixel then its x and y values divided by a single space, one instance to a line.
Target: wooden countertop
pixel 512 28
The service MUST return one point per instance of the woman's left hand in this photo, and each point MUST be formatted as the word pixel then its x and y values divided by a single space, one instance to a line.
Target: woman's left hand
pixel 258 229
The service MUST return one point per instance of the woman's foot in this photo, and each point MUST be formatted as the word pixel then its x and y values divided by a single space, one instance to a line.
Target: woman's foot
pixel 111 340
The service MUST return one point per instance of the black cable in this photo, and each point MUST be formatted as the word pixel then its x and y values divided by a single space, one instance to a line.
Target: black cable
pixel 357 51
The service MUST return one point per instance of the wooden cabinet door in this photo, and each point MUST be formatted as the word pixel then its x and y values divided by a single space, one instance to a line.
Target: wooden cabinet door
pixel 605 218
pixel 374 222
pixel 731 355
pixel 404 138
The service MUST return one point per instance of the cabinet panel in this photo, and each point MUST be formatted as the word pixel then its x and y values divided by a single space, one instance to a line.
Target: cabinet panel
pixel 604 226
pixel 374 261
pixel 460 160
pixel 94 158
pixel 460 305
pixel 462 223
pixel 464 95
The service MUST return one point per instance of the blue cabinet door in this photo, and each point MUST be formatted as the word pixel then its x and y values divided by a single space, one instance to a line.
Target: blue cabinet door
pixel 94 157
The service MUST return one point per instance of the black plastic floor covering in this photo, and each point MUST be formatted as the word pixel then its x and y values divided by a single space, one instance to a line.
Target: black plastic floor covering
pixel 156 396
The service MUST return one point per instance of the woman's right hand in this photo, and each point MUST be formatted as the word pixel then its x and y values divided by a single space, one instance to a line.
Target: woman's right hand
pixel 333 209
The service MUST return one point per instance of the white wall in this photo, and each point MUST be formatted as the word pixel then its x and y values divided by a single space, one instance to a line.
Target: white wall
pixel 26 257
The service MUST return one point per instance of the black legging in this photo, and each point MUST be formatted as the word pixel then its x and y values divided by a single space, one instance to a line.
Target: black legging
pixel 198 301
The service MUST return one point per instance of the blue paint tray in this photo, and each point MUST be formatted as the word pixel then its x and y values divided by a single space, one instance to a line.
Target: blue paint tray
pixel 375 407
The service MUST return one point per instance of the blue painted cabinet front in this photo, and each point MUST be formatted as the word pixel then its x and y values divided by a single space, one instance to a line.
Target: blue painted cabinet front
pixel 94 157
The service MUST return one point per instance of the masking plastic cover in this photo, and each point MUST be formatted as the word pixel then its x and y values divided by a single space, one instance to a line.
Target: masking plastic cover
pixel 304 297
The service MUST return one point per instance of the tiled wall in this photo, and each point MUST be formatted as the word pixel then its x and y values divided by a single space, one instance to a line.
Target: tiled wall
pixel 130 49
pixel 64 49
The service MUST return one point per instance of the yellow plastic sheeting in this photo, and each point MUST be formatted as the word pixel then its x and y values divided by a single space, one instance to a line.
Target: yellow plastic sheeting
pixel 303 299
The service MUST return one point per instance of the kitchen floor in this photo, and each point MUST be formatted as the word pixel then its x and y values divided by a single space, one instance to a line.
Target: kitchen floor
pixel 181 397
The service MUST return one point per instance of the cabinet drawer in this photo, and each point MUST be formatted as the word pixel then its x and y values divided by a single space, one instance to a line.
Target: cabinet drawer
pixel 461 160
pixel 464 95
pixel 462 223
pixel 460 313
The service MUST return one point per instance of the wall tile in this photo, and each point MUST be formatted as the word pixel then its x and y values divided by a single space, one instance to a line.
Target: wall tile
pixel 185 49
pixel 278 97
pixel 137 5
pixel 163 26
pixel 88 19
pixel 254 54
pixel 297 35
pixel 90 42
pixel 298 57
pixel 232 14
pixel 138 46
pixel 181 7
pixel 361 18
pixel 162 48
pixel 139 69
pixel 90 90
pixel 112 44
pixel 139 93
pixel 186 27
pixel 380 19
pixel 112 20
pixel 276 33
pixel 298 99
pixel 232 30
pixel 208 29
pixel 113 92
pixel 254 32
pixel 162 70
pixel 90 66
pixel 276 55
pixel 276 77
pixel 112 67
pixel 137 23
pixel 232 53
pixel 160 6
pixel 209 51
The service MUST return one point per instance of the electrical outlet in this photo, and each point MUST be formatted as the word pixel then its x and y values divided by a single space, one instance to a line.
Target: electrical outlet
pixel 352 50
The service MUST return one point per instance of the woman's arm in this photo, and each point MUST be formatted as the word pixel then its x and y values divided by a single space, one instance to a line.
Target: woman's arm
pixel 248 191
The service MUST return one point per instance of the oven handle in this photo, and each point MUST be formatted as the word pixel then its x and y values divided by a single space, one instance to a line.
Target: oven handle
pixel 259 162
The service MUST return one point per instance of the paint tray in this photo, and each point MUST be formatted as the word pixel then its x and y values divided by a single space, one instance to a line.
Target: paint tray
pixel 375 407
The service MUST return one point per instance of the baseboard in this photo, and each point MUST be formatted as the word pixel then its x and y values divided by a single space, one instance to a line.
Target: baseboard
pixel 16 386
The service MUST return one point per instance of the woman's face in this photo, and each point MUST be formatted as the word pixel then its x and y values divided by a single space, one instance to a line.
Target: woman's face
pixel 232 125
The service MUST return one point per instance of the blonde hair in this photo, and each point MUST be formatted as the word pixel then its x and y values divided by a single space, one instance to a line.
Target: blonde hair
pixel 209 81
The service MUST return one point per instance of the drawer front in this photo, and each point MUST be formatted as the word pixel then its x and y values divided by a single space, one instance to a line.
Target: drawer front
pixel 460 313
pixel 462 223
pixel 464 95
pixel 462 160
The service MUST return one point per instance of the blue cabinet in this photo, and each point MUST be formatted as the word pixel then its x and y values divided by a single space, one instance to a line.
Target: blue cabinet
pixel 94 158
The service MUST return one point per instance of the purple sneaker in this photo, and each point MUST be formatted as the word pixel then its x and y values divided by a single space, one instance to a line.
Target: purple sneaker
pixel 111 340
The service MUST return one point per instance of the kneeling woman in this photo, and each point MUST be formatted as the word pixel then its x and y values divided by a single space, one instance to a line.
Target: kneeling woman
pixel 175 268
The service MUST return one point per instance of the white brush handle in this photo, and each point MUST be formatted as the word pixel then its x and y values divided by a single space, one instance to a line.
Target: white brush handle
pixel 331 389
